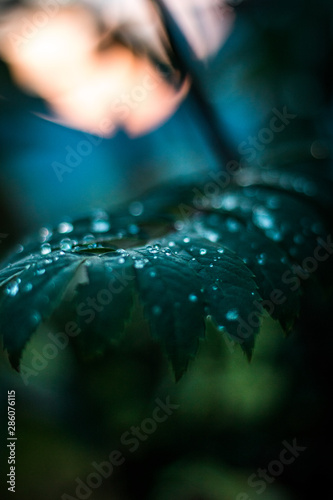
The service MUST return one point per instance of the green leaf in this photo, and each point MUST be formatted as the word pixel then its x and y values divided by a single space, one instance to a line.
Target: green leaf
pixel 173 302
pixel 268 262
pixel 218 258
pixel 292 223
pixel 230 293
pixel 103 302
pixel 32 296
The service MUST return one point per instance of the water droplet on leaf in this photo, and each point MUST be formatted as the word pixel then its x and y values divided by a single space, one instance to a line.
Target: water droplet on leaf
pixel 66 245
pixel 27 288
pixel 136 208
pixel 12 288
pixel 232 315
pixel 100 226
pixel 65 228
pixel 139 264
pixel 46 249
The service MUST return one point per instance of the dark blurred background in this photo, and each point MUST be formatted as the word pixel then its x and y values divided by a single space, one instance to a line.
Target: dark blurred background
pixel 100 72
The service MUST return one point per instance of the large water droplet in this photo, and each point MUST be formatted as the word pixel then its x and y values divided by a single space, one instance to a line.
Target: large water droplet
pixel 186 240
pixel 179 225
pixel 45 234
pixel 65 228
pixel 46 249
pixel 89 238
pixel 66 245
pixel 100 226
pixel 12 288
pixel 203 251
pixel 136 208
pixel 229 202
pixel 19 249
pixel 262 218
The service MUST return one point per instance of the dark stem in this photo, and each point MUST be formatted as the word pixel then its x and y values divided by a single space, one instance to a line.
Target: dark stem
pixel 183 59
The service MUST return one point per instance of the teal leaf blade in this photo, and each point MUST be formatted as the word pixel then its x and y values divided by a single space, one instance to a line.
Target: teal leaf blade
pixel 269 264
pixel 231 295
pixel 173 303
pixel 31 298
pixel 103 302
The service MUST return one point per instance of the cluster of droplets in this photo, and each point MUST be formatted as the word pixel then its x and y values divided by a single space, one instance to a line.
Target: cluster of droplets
pixel 16 285
pixel 140 263
pixel 121 256
pixel 262 259
pixel 157 249
pixel 300 184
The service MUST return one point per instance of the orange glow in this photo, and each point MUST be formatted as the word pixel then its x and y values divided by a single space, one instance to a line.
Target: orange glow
pixel 56 57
